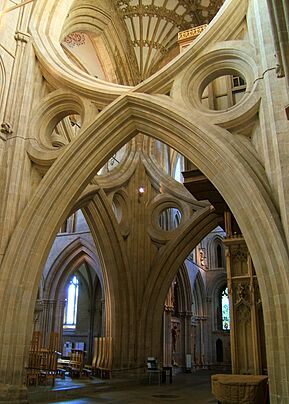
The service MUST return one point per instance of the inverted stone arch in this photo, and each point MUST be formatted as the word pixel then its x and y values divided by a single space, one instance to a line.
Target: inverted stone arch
pixel 46 28
pixel 210 148
pixel 116 277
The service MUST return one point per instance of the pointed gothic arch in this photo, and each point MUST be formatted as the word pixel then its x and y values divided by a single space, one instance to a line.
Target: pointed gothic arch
pixel 199 142
pixel 70 258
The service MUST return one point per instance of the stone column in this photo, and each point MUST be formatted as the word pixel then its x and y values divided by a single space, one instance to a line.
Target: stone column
pixel 200 351
pixel 186 319
pixel 58 321
pixel 167 329
pixel 193 342
pixel 203 320
pixel 90 336
pixel 13 131
pixel 51 320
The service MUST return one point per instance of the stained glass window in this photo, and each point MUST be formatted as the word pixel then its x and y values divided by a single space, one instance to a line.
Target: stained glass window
pixel 225 310
pixel 71 303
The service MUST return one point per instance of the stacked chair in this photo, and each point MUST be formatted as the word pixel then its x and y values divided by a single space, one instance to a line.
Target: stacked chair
pixel 102 357
pixel 42 361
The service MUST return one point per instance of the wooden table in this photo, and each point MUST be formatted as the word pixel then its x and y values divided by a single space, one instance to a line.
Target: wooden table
pixel 237 389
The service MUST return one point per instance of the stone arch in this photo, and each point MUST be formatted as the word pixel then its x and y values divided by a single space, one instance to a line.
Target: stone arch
pixel 95 18
pixel 185 298
pixel 196 140
pixel 48 22
pixel 166 268
pixel 2 84
pixel 214 289
pixel 216 255
pixel 116 278
pixel 76 253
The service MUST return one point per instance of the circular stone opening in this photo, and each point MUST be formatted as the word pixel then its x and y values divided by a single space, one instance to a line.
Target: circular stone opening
pixel 65 130
pixel 224 92
pixel 170 218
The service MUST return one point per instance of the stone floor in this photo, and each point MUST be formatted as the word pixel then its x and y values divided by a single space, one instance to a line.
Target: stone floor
pixel 186 388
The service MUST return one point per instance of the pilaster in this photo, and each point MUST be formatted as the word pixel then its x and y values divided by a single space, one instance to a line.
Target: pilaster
pixel 50 313
pixel 15 170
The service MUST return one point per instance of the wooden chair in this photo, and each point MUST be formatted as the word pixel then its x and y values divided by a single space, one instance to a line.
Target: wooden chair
pixel 33 368
pixel 95 355
pixel 36 341
pixel 48 366
pixel 53 343
pixel 34 359
pixel 76 362
pixel 106 365
pixel 91 370
pixel 153 369
pixel 102 357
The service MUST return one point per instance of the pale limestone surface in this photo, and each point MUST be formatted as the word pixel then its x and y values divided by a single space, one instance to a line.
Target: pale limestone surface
pixel 243 151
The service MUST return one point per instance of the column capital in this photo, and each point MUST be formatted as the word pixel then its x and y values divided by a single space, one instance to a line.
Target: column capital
pixel 22 36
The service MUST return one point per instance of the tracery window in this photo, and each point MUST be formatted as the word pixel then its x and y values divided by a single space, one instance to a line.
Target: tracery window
pixel 238 81
pixel 225 310
pixel 70 312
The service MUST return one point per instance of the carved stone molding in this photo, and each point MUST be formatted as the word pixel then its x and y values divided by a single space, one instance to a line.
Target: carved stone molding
pixel 21 37
pixel 75 39
pixel 244 314
pixel 191 33
pixel 239 255
pixel 242 294
pixel 5 130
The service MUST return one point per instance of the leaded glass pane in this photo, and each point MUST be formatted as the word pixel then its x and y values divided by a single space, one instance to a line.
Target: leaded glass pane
pixel 225 310
pixel 71 303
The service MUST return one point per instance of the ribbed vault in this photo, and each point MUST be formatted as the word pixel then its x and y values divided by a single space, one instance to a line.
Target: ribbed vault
pixel 153 27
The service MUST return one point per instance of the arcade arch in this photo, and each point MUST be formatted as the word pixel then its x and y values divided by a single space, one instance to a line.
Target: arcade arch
pixel 227 147
pixel 94 150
